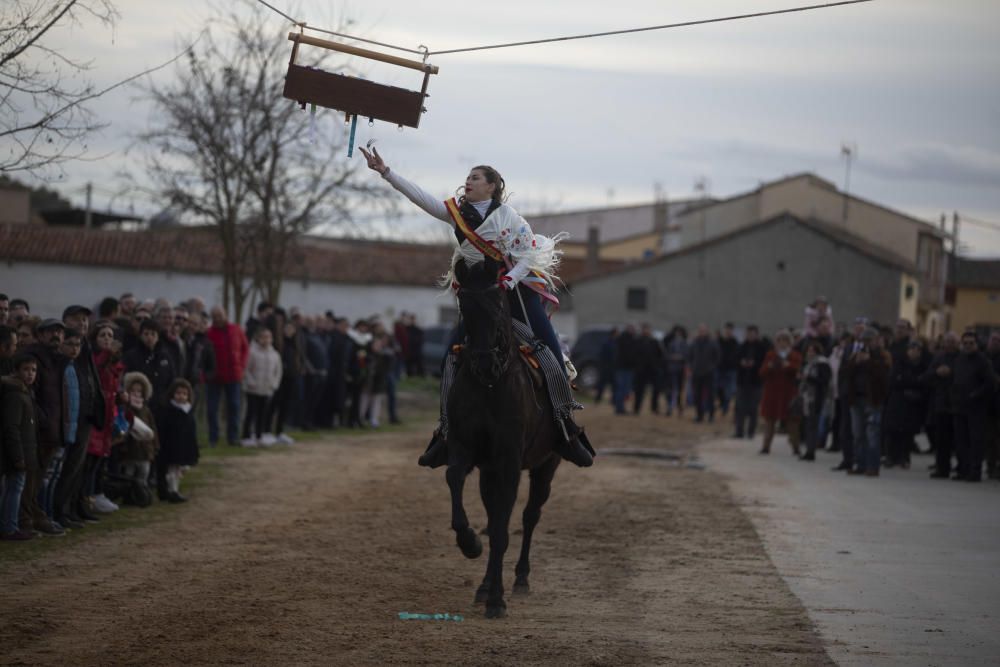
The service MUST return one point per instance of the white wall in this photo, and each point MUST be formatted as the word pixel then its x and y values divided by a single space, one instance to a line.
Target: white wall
pixel 51 287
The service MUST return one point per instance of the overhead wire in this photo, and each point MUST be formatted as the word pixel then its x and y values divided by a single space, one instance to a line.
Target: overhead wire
pixel 424 52
pixel 979 223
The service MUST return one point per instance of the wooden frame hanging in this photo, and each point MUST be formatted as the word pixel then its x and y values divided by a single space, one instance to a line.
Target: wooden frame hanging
pixel 352 95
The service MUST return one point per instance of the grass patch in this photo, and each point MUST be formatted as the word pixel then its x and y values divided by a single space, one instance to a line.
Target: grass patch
pixel 418 403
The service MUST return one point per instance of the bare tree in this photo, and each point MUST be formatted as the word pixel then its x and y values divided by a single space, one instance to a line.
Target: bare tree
pixel 229 150
pixel 43 94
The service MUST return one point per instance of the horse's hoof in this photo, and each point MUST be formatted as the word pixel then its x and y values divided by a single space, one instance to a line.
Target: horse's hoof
pixel 469 543
pixel 481 594
pixel 521 588
pixel 496 611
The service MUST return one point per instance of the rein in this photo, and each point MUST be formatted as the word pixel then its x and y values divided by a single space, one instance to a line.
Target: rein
pixel 497 357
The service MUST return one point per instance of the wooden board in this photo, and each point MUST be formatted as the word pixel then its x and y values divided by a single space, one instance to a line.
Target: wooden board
pixel 353 95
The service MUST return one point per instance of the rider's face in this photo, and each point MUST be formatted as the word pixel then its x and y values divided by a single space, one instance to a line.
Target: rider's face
pixel 477 188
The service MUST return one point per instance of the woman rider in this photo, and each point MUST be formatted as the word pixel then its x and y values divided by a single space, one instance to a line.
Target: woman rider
pixel 532 254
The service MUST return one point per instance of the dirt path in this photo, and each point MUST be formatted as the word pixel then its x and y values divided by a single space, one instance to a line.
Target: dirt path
pixel 307 556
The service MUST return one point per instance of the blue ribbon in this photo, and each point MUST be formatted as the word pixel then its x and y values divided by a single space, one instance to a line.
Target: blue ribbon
pixel 354 127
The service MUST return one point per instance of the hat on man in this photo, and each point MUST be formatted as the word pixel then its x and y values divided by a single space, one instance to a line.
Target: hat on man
pixel 869 333
pixel 50 323
pixel 76 310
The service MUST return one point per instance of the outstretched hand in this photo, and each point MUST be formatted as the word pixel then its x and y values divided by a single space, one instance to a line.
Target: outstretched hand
pixel 375 161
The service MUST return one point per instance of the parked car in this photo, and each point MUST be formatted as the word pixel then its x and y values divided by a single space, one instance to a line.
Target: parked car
pixel 586 354
pixel 436 339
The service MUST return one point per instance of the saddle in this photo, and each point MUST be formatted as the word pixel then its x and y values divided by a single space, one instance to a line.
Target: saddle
pixel 528 358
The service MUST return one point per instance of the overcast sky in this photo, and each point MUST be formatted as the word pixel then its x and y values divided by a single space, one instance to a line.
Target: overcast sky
pixel 912 83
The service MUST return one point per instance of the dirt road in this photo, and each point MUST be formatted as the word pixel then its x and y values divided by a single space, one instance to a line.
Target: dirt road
pixel 308 555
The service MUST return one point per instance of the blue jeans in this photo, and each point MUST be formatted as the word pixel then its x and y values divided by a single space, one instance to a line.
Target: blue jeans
pixel 866 431
pixel 727 388
pixel 10 500
pixel 214 393
pixel 623 386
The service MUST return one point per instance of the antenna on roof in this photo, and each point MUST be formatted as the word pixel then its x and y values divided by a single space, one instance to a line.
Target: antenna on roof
pixel 849 151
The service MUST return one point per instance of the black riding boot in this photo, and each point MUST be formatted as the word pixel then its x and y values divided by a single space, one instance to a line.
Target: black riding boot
pixel 575 447
pixel 436 454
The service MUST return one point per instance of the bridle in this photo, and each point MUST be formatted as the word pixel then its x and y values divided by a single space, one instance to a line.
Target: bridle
pixel 488 366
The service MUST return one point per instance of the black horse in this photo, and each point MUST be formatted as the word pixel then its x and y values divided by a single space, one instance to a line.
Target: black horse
pixel 502 422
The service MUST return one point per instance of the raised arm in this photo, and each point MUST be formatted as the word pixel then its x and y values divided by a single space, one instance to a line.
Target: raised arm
pixel 426 201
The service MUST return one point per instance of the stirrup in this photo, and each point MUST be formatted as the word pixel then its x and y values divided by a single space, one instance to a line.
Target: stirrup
pixel 436 454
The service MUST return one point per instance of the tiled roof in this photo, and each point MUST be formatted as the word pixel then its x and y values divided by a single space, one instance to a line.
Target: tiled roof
pixel 976 273
pixel 198 250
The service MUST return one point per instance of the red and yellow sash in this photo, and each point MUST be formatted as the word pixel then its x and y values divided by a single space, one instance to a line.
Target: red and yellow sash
pixel 535 281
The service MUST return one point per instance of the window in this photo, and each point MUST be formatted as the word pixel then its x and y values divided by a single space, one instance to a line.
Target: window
pixel 635 298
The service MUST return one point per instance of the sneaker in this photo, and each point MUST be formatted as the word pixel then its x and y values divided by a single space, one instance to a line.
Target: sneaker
pixel 248 442
pixel 103 505
pixel 284 439
pixel 49 529
pixel 72 523
pixel 86 514
pixel 267 440
pixel 18 536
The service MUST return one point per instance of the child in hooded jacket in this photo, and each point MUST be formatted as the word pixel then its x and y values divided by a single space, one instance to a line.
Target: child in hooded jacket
pixel 139 448
pixel 261 379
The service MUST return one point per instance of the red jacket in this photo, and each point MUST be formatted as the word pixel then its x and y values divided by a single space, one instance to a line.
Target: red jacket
pixel 231 352
pixel 780 384
pixel 110 370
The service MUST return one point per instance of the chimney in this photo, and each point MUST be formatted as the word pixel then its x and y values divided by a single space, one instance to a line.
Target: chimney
pixel 593 249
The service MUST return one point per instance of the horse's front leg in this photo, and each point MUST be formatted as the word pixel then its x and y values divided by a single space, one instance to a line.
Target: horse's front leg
pixel 501 491
pixel 465 537
pixel 541 485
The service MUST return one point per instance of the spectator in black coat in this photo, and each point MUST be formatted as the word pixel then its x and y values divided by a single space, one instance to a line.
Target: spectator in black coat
pixel 152 361
pixel 178 435
pixel 748 383
pixel 626 361
pixel 729 365
pixel 972 392
pixel 907 403
pixel 649 369
pixel 993 444
pixel 938 380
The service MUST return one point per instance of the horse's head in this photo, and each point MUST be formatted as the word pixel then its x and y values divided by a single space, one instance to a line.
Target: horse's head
pixel 486 314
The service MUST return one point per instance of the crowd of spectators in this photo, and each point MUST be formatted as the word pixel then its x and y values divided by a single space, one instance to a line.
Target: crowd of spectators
pixel 101 406
pixel 865 391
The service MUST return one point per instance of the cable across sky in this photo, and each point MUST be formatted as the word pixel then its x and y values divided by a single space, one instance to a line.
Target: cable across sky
pixel 566 38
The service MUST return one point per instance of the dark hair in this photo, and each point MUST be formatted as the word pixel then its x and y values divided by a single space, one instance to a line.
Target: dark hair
pixel 6 332
pixel 22 358
pixel 815 346
pixel 753 327
pixel 4 297
pixel 970 333
pixel 70 332
pixel 148 325
pixel 492 176
pixel 99 326
pixel 14 303
pixel 262 306
pixel 107 307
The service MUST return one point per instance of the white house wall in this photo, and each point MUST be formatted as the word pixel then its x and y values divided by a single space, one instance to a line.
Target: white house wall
pixel 51 287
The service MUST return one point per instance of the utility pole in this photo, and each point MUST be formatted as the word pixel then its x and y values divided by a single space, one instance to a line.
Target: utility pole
pixel 954 234
pixel 848 152
pixel 87 217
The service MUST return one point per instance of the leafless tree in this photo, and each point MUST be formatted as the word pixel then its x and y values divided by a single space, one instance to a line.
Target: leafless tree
pixel 44 119
pixel 230 151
